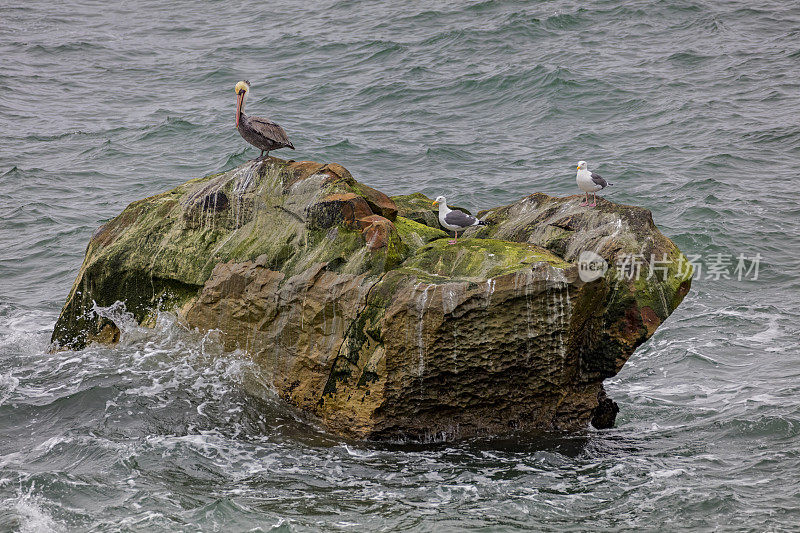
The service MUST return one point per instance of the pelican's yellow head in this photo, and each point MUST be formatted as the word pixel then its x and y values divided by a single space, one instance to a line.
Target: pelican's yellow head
pixel 241 90
pixel 242 86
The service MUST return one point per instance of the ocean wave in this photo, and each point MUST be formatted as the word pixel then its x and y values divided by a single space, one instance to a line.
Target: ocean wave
pixel 65 48
pixel 167 127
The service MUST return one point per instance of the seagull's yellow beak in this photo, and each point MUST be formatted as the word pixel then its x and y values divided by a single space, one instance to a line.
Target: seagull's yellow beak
pixel 579 167
pixel 434 202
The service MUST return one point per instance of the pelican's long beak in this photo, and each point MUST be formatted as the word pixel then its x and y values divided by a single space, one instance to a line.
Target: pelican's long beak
pixel 434 202
pixel 239 101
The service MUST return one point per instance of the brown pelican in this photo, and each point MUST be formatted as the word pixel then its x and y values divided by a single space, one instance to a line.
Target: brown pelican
pixel 260 132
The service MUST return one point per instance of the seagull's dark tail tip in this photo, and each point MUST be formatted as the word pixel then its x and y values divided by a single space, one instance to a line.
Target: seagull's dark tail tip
pixel 483 223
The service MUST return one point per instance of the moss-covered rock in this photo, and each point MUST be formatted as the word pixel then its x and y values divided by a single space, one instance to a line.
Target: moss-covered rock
pixel 357 309
pixel 477 259
pixel 416 235
pixel 161 250
pixel 644 265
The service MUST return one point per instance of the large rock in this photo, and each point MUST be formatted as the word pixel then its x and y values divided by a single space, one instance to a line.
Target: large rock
pixel 369 319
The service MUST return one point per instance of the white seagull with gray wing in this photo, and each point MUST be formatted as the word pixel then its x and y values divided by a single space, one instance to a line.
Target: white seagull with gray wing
pixel 456 220
pixel 589 182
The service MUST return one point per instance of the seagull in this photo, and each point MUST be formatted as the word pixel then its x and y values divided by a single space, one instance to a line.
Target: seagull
pixel 260 132
pixel 455 221
pixel 589 182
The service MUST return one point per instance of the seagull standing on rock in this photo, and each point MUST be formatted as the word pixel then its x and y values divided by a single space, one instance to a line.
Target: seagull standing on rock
pixel 455 221
pixel 589 182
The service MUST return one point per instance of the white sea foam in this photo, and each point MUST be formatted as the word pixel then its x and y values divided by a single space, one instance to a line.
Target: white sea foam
pixel 8 384
pixel 28 509
pixel 768 335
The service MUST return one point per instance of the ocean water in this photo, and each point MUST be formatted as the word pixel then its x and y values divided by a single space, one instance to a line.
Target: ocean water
pixel 690 107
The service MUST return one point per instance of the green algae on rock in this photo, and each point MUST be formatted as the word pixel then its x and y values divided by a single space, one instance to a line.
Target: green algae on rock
pixel 645 271
pixel 356 309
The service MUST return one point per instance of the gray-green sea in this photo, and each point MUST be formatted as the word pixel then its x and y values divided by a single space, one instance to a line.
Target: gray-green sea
pixel 690 107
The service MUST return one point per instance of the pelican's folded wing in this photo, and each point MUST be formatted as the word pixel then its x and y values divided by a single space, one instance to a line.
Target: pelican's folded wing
pixel 271 130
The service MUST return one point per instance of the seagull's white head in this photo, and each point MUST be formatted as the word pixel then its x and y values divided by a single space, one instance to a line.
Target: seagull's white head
pixel 581 165
pixel 440 200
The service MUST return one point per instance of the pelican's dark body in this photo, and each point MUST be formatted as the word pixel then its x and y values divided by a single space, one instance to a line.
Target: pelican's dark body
pixel 262 133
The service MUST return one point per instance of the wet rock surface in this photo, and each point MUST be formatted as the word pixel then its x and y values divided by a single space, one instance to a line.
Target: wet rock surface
pixel 357 310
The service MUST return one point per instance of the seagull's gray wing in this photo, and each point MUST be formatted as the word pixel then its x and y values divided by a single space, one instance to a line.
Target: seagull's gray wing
pixel 598 180
pixel 460 218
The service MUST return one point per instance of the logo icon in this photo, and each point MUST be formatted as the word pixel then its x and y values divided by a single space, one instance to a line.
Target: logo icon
pixel 591 266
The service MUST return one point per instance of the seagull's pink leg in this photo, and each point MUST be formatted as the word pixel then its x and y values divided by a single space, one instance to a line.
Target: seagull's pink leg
pixel 594 201
pixel 586 201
